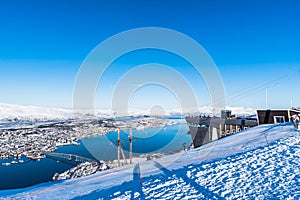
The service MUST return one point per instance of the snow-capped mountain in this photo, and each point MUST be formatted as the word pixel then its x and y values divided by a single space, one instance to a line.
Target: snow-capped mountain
pixel 9 111
pixel 31 113
pixel 259 163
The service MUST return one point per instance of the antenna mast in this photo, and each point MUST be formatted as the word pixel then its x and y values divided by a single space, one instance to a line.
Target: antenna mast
pixel 266 98
pixel 119 147
pixel 130 140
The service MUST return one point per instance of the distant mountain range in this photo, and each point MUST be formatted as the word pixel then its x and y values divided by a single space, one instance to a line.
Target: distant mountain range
pixel 31 113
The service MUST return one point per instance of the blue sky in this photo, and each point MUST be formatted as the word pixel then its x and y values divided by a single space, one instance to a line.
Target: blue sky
pixel 255 44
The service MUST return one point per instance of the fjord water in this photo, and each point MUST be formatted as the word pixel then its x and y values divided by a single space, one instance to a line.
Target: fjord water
pixel 152 140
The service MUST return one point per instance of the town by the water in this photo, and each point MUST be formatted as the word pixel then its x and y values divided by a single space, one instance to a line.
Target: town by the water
pixel 36 140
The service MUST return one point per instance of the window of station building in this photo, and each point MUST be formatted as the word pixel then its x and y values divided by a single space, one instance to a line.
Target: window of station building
pixel 279 119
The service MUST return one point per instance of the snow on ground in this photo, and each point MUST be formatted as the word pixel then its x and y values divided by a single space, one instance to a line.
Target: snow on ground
pixel 259 163
pixel 30 113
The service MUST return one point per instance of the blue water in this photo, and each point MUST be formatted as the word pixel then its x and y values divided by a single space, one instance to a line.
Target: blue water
pixel 97 147
pixel 31 173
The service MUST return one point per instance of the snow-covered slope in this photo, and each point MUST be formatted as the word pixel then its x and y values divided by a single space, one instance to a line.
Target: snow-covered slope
pixel 9 111
pixel 260 163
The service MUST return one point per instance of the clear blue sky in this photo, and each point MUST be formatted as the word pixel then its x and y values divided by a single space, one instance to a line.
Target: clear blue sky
pixel 254 43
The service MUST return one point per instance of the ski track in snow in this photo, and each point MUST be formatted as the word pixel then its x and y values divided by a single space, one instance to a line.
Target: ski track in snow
pixel 241 166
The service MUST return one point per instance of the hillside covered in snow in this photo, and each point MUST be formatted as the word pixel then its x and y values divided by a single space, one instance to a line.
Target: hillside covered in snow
pixel 37 113
pixel 259 163
pixel 29 113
